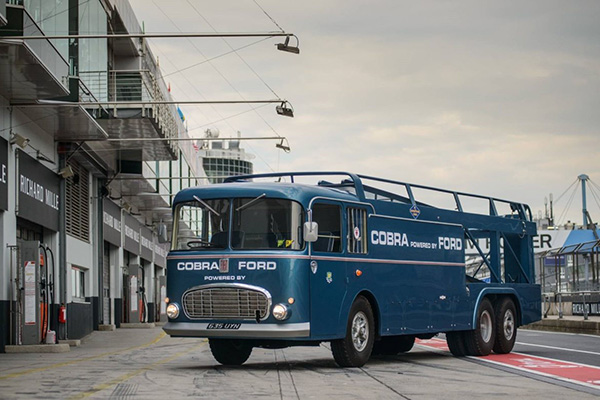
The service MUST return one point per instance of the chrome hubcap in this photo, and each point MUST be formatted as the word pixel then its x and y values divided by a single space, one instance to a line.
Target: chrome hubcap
pixel 485 326
pixel 509 325
pixel 360 331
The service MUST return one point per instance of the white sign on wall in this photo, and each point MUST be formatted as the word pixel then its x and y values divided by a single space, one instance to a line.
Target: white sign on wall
pixel 133 283
pixel 30 309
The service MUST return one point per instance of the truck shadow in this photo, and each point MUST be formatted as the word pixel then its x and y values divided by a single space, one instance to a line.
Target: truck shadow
pixel 315 364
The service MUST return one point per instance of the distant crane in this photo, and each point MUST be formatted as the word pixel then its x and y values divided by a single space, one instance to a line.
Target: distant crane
pixel 587 185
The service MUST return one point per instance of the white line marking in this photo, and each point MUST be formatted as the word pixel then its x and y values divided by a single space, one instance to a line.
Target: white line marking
pixel 558 348
pixel 527 370
pixel 560 378
pixel 559 333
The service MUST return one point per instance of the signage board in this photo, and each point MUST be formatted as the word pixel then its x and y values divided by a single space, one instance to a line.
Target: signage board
pixel 3 174
pixel 111 222
pixel 131 228
pixel 147 243
pixel 38 188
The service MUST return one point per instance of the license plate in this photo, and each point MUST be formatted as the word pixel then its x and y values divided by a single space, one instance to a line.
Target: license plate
pixel 223 326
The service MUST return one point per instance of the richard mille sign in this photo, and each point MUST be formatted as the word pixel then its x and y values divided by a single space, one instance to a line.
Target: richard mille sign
pixel 38 192
pixel 3 174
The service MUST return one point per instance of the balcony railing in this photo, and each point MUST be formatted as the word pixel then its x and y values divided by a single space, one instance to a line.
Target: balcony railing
pixel 143 87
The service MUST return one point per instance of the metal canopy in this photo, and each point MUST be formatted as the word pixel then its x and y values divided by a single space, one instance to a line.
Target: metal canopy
pixel 132 125
pixel 149 202
pixel 67 124
pixel 589 247
pixel 23 76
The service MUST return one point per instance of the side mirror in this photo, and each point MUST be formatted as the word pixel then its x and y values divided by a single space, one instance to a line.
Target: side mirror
pixel 162 233
pixel 311 231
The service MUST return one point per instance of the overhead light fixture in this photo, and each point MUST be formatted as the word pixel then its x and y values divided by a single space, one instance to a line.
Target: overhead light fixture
pixel 19 140
pixel 284 110
pixel 66 172
pixel 285 147
pixel 286 47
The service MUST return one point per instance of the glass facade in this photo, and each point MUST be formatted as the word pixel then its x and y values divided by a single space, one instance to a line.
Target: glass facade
pixel 219 168
pixel 53 19
pixel 93 53
pixel 52 16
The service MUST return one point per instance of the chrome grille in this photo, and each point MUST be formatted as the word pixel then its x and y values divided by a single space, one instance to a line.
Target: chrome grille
pixel 226 302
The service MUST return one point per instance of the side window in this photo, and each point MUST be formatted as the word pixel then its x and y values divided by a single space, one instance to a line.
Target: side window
pixel 329 218
pixel 357 230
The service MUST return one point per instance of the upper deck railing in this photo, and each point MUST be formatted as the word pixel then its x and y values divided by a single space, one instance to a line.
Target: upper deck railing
pixel 366 188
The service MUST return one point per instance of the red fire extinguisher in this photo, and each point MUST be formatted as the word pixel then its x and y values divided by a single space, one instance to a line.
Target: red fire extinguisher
pixel 62 314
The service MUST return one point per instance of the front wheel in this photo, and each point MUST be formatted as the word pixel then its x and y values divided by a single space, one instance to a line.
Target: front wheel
pixel 355 348
pixel 230 351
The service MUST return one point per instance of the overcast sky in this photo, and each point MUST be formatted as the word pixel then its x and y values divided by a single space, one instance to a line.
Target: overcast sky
pixel 493 97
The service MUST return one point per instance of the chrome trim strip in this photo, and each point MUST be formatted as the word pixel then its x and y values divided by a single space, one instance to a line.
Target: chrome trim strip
pixel 384 261
pixel 331 258
pixel 267 331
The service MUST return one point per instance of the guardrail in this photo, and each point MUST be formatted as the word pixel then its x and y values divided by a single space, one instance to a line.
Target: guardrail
pixel 558 296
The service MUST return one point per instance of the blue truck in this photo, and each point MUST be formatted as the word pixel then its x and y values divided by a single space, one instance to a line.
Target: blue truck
pixel 365 263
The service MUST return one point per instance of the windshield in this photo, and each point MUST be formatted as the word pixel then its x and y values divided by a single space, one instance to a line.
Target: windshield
pixel 257 223
pixel 267 224
pixel 202 224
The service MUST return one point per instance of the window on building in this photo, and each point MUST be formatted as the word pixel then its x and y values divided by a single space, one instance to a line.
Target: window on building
pixel 77 203
pixel 357 230
pixel 78 283
pixel 329 218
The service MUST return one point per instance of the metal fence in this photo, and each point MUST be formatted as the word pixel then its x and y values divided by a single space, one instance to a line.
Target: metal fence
pixel 570 277
pixel 570 269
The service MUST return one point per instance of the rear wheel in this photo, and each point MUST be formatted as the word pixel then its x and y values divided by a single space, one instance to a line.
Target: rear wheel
pixel 480 341
pixel 506 326
pixel 393 345
pixel 456 343
pixel 230 351
pixel 355 348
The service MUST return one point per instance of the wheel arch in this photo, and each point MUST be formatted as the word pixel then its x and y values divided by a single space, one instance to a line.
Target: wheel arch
pixel 494 295
pixel 374 307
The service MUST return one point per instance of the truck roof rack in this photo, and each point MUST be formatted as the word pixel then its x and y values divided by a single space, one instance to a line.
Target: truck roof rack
pixel 355 183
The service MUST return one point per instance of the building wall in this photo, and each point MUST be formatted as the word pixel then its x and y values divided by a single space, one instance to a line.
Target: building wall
pixel 84 313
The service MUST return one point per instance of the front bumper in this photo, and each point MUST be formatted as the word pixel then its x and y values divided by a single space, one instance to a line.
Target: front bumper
pixel 258 331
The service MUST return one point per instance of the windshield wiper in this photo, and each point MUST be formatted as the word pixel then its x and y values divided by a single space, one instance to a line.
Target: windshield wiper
pixel 209 208
pixel 248 204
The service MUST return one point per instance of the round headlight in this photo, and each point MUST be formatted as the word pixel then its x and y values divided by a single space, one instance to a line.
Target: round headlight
pixel 173 310
pixel 281 311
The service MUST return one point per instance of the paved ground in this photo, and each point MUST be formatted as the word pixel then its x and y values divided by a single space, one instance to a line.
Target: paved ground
pixel 144 363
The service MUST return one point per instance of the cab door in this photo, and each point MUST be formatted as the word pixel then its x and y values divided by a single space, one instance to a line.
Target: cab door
pixel 328 282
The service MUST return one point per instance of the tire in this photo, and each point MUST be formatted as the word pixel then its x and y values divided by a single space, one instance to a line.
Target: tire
pixel 230 351
pixel 355 348
pixel 456 343
pixel 506 326
pixel 393 345
pixel 480 341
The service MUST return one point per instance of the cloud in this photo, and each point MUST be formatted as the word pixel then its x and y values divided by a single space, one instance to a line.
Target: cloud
pixel 498 98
